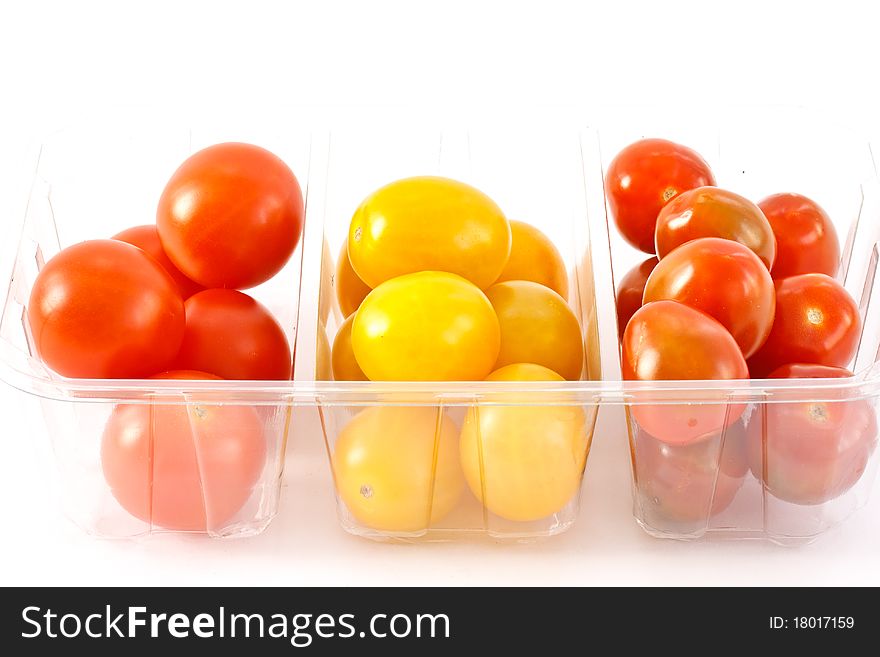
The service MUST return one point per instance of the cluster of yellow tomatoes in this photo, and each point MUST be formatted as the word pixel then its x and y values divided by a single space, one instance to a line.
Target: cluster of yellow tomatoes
pixel 436 284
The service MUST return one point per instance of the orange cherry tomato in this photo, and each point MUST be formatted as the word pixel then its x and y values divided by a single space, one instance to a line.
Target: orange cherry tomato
pixel 644 177
pixel 725 280
pixel 533 257
pixel 345 365
pixel 105 309
pixel 231 216
pixel 537 326
pixel 714 212
pixel 183 466
pixel 350 289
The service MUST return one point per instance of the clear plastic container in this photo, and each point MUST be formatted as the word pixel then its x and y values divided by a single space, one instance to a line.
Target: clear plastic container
pixel 814 442
pixel 92 182
pixel 536 178
pixel 550 178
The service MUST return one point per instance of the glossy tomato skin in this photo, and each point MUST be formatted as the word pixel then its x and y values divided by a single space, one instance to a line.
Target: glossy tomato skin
pixel 816 322
pixel 427 326
pixel 810 452
pixel 350 289
pixel 666 340
pixel 183 466
pixel 345 365
pixel 806 240
pixel 524 462
pixel 233 336
pixel 147 239
pixel 533 257
pixel 231 216
pixel 643 178
pixel 715 212
pixel 105 309
pixel 631 290
pixel 396 467
pixel 689 484
pixel 725 280
pixel 537 326
pixel 809 371
pixel 428 223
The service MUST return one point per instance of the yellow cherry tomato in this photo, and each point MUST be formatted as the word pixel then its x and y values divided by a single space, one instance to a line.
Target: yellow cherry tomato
pixel 533 257
pixel 428 223
pixel 323 359
pixel 397 468
pixel 350 289
pixel 524 462
pixel 427 326
pixel 524 372
pixel 345 366
pixel 537 326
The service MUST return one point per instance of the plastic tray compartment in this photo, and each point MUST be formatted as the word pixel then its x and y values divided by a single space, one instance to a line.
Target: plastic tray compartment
pixel 535 178
pixel 814 442
pixel 91 182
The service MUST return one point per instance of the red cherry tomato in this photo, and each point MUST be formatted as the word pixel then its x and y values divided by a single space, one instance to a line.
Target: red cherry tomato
pixel 631 290
pixel 810 452
pixel 725 280
pixel 806 240
pixel 689 483
pixel 809 371
pixel 105 309
pixel 233 336
pixel 147 239
pixel 816 322
pixel 644 177
pixel 183 466
pixel 231 216
pixel 666 340
pixel 714 212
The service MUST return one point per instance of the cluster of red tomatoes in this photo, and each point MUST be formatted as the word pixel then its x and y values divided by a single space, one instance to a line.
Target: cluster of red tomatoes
pixel 735 290
pixel 163 301
pixel 438 285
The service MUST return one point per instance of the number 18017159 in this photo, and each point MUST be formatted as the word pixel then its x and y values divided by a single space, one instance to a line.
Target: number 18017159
pixel 813 623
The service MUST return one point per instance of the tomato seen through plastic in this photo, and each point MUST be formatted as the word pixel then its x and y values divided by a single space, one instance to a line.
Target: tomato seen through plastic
pixel 812 450
pixel 666 340
pixel 183 465
pixel 397 469
pixel 524 461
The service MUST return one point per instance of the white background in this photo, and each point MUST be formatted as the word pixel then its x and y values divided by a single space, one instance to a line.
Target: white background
pixel 451 62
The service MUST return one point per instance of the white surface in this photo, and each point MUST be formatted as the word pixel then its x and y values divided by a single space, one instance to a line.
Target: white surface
pixel 453 63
